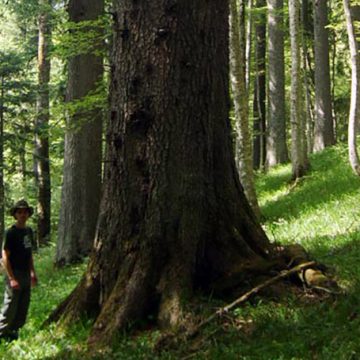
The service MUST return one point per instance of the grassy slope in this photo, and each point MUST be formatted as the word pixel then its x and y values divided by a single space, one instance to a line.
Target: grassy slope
pixel 321 212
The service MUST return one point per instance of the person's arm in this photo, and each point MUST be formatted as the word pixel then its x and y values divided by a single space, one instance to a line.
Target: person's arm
pixel 32 272
pixel 14 284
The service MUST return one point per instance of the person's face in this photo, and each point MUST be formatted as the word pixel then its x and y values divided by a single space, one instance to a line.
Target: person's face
pixel 21 215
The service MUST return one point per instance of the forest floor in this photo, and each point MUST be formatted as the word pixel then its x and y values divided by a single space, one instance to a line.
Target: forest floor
pixel 321 212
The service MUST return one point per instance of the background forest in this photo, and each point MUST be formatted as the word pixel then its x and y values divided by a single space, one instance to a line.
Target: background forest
pixel 294 70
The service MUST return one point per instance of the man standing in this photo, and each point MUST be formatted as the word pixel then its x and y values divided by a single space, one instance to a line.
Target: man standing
pixel 19 266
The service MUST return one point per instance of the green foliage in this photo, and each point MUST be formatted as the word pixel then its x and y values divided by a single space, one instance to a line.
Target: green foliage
pixel 320 212
pixel 84 37
pixel 53 286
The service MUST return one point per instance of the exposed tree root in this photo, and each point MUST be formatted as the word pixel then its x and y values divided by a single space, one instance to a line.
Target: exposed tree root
pixel 309 273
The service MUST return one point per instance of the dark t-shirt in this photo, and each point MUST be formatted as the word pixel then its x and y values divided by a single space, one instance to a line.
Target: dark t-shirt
pixel 18 243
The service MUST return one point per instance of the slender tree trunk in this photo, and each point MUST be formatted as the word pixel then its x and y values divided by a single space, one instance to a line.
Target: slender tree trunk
pixel 82 159
pixel 352 14
pixel 249 29
pixel 42 125
pixel 298 138
pixel 2 192
pixel 173 214
pixel 276 150
pixel 324 127
pixel 307 40
pixel 240 96
pixel 259 107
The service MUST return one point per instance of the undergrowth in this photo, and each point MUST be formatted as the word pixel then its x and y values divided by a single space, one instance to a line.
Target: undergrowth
pixel 321 212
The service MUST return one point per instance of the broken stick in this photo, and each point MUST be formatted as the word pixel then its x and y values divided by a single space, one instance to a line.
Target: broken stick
pixel 244 297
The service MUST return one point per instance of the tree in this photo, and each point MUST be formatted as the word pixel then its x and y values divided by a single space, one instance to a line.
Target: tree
pixel 298 137
pixel 276 149
pixel 308 78
pixel 12 91
pixel 324 127
pixel 352 14
pixel 249 29
pixel 173 213
pixel 83 139
pixel 259 105
pixel 42 160
pixel 240 97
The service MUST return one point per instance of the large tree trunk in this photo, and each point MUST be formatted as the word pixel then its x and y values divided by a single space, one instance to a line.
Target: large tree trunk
pixel 259 108
pixel 82 159
pixel 173 214
pixel 42 126
pixel 240 97
pixel 276 150
pixel 298 134
pixel 324 127
pixel 352 14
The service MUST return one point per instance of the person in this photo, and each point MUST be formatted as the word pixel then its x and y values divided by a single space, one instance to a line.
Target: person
pixel 20 273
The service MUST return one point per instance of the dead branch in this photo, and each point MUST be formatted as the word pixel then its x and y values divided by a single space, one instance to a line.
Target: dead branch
pixel 192 332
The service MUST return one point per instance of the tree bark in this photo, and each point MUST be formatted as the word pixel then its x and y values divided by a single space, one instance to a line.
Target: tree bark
pixel 352 14
pixel 173 214
pixel 249 34
pixel 243 151
pixel 42 160
pixel 308 78
pixel 298 136
pixel 2 192
pixel 259 107
pixel 324 127
pixel 276 149
pixel 83 149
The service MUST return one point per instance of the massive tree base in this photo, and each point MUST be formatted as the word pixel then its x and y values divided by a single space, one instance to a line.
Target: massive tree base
pixel 128 303
pixel 174 219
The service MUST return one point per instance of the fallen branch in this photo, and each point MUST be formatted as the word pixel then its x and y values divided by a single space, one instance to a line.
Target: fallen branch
pixel 191 333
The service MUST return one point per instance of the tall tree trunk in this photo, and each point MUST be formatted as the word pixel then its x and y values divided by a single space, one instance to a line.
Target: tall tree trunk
pixel 352 14
pixel 249 29
pixel 324 127
pixel 2 192
pixel 42 126
pixel 240 96
pixel 276 150
pixel 82 159
pixel 297 118
pixel 307 41
pixel 173 214
pixel 259 112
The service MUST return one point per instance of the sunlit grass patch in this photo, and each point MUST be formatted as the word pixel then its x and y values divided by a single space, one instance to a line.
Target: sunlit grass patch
pixel 321 212
pixel 54 285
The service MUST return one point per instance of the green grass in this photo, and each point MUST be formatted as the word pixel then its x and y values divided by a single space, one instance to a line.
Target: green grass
pixel 321 212
pixel 53 286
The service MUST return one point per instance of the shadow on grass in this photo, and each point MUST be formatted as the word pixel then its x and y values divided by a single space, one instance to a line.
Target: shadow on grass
pixel 329 179
pixel 293 329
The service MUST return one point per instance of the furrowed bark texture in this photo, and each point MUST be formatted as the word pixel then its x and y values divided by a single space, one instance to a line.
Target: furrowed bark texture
pixel 82 159
pixel 276 149
pixel 42 125
pixel 352 15
pixel 173 214
pixel 324 127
